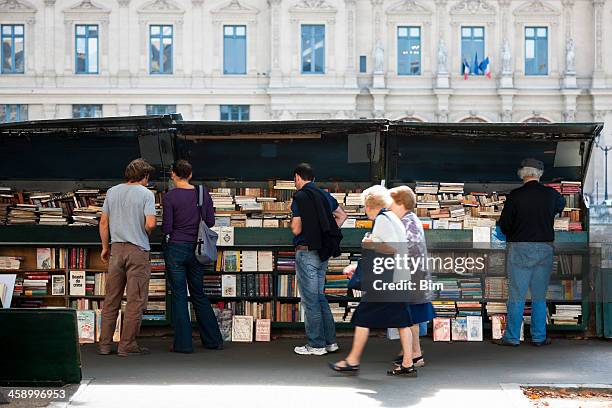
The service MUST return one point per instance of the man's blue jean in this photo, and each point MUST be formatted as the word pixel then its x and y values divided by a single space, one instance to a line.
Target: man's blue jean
pixel 182 269
pixel 319 322
pixel 529 267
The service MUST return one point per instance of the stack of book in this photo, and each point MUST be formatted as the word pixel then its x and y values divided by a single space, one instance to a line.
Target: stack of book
pixel 51 216
pixel 450 288
pixel 86 216
pixel 10 262
pixel 567 314
pixel 338 312
pixel 465 308
pixel 22 214
pixel 155 310
pixel 496 287
pixel 444 308
pixel 285 261
pixel 336 285
pixel 158 262
pixel 471 288
pixel 222 200
pixel 212 285
pixel 35 283
pixel 494 308
pixel 157 283
pixel 18 288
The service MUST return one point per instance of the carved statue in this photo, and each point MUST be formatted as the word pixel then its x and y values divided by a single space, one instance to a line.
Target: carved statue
pixel 570 56
pixel 506 57
pixel 379 58
pixel 442 57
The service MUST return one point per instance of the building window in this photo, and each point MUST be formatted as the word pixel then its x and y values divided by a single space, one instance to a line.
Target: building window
pixel 409 50
pixel 536 119
pixel 234 112
pixel 13 113
pixel 161 109
pixel 313 49
pixel 363 65
pixel 86 49
pixel 234 49
pixel 86 111
pixel 472 49
pixel 160 49
pixel 536 51
pixel 12 49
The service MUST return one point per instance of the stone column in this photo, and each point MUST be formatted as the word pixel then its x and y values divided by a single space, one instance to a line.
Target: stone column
pixel 49 44
pixel 124 38
pixel 69 47
pixel 252 36
pixel 103 40
pixel 598 71
pixel 275 61
pixel 350 75
pixel 178 48
pixel 143 41
pixel 217 36
pixel 296 42
pixel 331 53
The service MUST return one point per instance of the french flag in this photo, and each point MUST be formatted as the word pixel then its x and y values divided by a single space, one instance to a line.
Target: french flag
pixel 484 67
pixel 466 69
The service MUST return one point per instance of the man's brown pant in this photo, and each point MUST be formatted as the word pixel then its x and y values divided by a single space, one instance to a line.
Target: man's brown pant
pixel 130 265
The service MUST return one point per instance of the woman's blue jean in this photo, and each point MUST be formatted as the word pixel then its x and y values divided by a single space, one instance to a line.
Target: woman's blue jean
pixel 183 270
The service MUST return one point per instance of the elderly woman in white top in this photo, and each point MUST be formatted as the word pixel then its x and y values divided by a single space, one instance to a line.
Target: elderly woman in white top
pixel 388 231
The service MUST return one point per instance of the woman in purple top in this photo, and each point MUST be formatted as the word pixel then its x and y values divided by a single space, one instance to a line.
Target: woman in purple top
pixel 404 201
pixel 181 221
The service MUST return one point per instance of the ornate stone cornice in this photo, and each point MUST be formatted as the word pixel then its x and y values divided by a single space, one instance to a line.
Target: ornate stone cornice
pixel 472 7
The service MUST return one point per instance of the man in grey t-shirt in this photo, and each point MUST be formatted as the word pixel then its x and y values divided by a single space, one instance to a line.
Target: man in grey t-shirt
pixel 129 215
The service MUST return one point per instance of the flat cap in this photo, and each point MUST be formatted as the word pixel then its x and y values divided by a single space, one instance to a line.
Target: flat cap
pixel 535 163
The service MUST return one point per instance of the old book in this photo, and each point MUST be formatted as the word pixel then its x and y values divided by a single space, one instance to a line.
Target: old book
pixel 254 222
pixel 441 329
pixel 249 261
pixel 481 234
pixel 43 258
pixel 228 285
pixel 474 328
pixel 498 325
pixel 231 261
pixel 58 285
pixel 242 329
pixel 117 333
pixel 459 328
pixel 265 261
pixel 263 329
pixel 77 283
pixel 98 324
pixel 86 323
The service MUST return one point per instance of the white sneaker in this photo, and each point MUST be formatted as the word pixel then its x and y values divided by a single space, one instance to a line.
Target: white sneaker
pixel 310 351
pixel 332 348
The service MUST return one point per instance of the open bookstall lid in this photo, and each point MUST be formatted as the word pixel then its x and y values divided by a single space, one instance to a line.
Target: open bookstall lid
pixel 338 150
pixel 487 152
pixel 75 149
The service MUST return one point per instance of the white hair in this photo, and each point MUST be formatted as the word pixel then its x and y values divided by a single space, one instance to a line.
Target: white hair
pixel 529 172
pixel 376 196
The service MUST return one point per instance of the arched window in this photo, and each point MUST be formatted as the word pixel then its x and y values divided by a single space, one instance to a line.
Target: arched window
pixel 473 119
pixel 411 119
pixel 536 119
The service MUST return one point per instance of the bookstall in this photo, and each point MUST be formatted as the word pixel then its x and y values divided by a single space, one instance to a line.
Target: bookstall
pixel 459 171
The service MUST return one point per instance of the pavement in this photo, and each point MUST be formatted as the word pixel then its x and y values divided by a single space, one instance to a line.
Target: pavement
pixel 460 374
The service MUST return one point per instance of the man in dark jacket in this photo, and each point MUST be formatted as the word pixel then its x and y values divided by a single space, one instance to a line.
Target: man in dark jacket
pixel 527 220
pixel 316 220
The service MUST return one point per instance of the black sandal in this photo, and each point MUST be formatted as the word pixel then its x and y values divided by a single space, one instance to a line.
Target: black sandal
pixel 417 361
pixel 402 371
pixel 346 369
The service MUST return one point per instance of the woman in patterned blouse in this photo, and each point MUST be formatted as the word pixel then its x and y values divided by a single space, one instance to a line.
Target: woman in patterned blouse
pixel 404 201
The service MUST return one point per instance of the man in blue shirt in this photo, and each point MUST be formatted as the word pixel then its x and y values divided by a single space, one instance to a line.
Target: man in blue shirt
pixel 312 208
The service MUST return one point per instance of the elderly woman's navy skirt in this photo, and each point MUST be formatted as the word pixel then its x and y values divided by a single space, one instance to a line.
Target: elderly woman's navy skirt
pixel 382 315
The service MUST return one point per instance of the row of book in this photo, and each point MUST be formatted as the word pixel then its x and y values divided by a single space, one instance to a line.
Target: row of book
pixel 155 309
pixel 239 285
pixel 81 283
pixel 82 207
pixel 60 258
